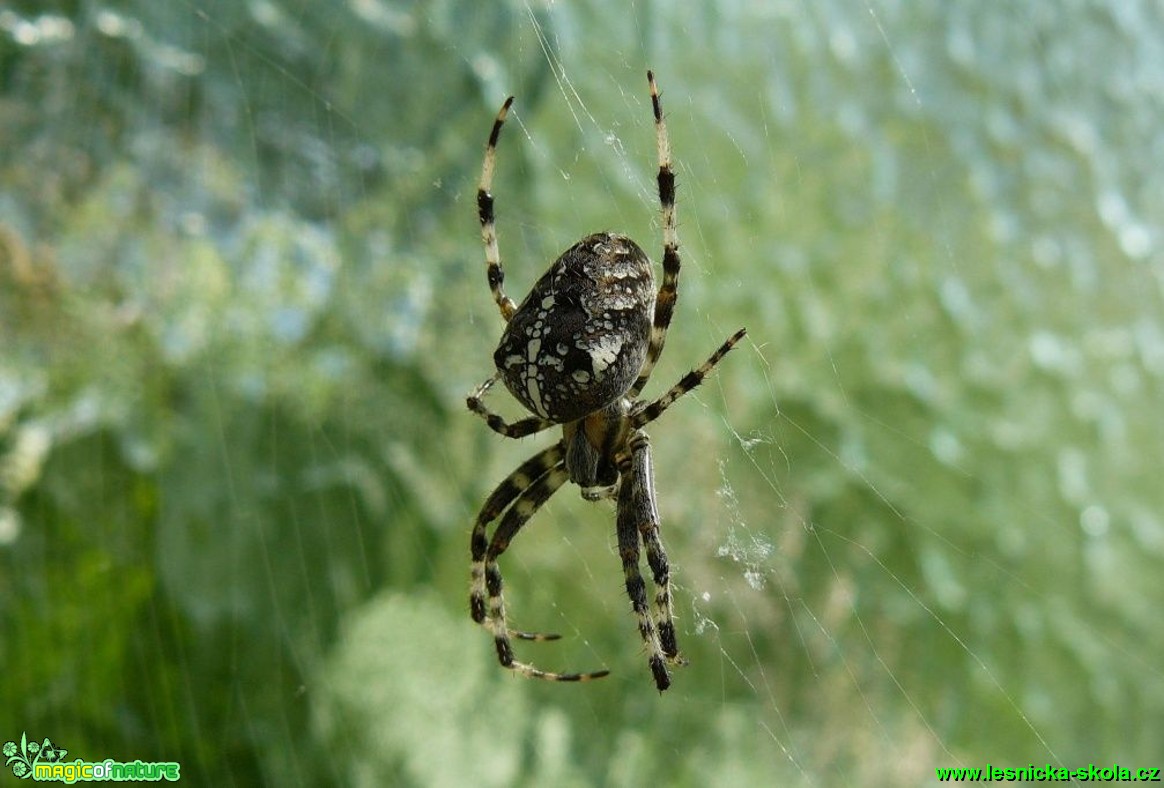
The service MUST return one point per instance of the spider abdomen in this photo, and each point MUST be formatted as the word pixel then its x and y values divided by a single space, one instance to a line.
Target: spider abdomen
pixel 579 339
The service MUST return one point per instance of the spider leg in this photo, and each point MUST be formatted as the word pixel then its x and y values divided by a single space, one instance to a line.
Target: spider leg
pixel 494 271
pixel 527 502
pixel 525 476
pixel 642 478
pixel 636 513
pixel 518 429
pixel 669 289
pixel 652 411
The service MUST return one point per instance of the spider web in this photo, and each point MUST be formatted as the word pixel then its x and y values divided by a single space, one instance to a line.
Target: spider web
pixel 912 519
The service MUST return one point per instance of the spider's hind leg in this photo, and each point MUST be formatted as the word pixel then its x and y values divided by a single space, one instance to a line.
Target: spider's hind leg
pixel 494 272
pixel 669 289
pixel 644 414
pixel 516 429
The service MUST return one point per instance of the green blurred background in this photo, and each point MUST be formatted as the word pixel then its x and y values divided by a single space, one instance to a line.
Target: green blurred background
pixel 912 519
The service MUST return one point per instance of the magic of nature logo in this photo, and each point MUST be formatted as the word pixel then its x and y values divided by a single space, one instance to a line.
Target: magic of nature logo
pixel 46 761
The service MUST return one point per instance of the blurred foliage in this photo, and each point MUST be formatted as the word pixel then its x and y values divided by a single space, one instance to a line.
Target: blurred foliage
pixel 242 298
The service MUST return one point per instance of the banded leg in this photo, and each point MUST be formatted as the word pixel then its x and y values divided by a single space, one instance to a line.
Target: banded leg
pixel 688 382
pixel 669 289
pixel 528 502
pixel 525 476
pixel 642 481
pixel 518 429
pixel 633 509
pixel 494 272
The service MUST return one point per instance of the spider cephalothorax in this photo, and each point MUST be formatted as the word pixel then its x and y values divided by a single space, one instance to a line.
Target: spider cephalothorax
pixel 577 352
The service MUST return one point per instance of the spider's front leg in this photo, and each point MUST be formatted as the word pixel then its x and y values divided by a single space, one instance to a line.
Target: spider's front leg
pixel 515 501
pixel 515 485
pixel 638 519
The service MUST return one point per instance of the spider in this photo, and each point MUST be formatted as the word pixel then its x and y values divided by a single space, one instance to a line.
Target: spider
pixel 576 353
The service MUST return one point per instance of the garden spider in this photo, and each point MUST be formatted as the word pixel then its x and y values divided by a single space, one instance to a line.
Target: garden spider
pixel 577 352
